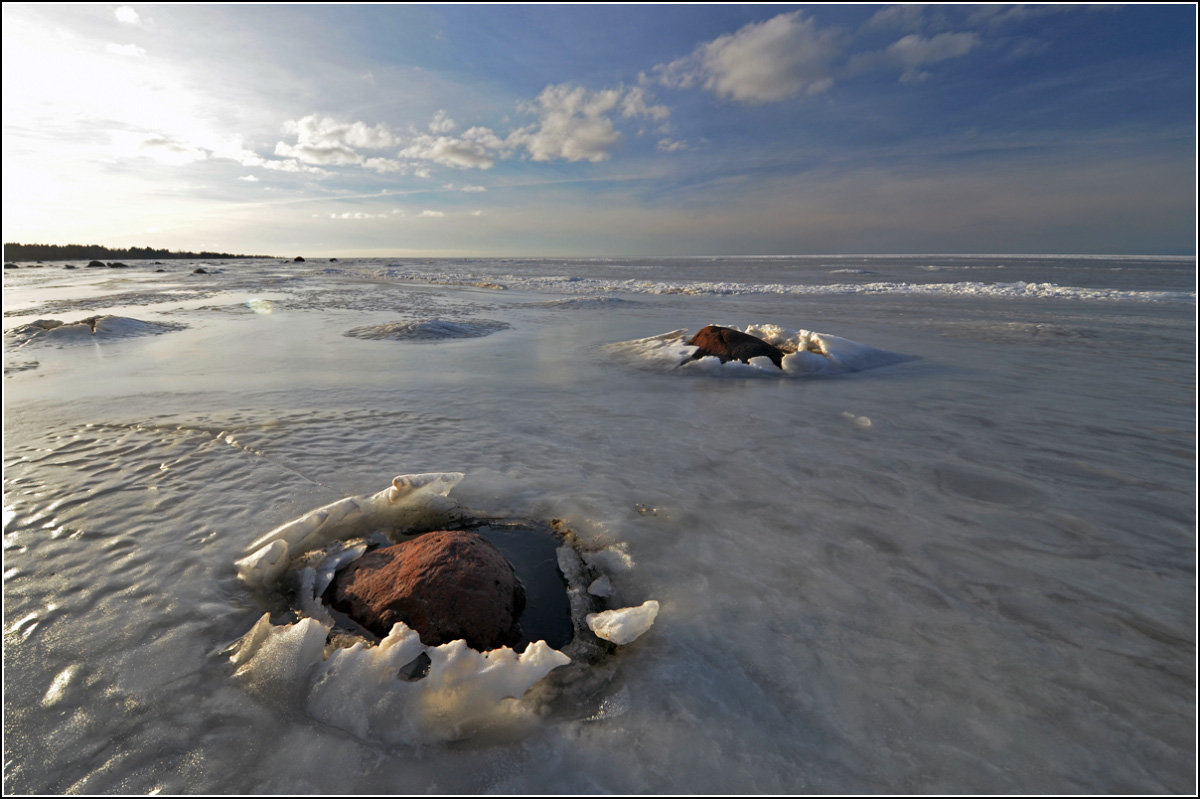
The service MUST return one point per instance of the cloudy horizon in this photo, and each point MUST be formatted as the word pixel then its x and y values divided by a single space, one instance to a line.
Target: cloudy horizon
pixel 602 130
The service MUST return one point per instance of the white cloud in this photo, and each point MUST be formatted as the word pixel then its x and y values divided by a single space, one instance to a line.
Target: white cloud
pixel 358 215
pixel 442 123
pixel 291 165
pixel 671 145
pixel 477 148
pixel 468 189
pixel 384 165
pixel 328 142
pixel 635 104
pixel 249 178
pixel 159 148
pixel 131 50
pixel 572 124
pixel 763 62
pixel 905 16
pixel 913 51
pixel 427 214
pixel 127 16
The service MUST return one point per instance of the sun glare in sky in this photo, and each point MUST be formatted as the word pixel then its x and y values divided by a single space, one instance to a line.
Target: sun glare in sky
pixel 615 130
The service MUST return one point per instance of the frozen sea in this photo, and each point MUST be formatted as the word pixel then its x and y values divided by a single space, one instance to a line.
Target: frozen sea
pixel 972 570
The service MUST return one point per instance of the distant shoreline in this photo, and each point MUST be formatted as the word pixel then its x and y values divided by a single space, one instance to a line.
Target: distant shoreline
pixel 69 252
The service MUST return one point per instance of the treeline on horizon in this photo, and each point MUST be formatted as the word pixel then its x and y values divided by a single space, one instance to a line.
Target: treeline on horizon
pixel 79 252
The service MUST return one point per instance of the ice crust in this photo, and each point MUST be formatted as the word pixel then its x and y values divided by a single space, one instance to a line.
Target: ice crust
pixel 809 354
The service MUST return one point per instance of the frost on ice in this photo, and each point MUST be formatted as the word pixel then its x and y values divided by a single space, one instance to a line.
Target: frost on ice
pixel 807 353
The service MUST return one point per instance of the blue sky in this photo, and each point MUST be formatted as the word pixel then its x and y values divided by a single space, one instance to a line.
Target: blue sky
pixel 602 130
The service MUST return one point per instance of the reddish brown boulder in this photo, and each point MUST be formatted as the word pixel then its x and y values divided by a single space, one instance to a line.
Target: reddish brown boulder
pixel 733 345
pixel 445 585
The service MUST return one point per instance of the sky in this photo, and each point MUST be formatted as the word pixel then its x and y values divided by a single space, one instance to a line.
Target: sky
pixel 610 130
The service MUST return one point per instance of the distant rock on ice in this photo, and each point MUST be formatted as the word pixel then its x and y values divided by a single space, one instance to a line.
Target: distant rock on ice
pixel 804 354
pixel 727 344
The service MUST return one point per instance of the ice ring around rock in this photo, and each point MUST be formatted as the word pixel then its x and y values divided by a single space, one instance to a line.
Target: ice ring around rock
pixel 398 688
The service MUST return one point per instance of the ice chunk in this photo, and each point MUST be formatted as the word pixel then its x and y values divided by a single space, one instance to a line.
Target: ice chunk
pixel 413 503
pixel 624 625
pixel 611 559
pixel 360 688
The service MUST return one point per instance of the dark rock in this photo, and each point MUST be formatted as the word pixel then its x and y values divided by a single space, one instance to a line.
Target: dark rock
pixel 160 270
pixel 70 266
pixel 333 260
pixel 200 270
pixel 298 260
pixel 445 585
pixel 733 345
pixel 94 264
pixel 118 265
pixel 11 266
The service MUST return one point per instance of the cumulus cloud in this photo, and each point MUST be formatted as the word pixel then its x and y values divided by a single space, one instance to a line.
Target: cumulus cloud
pixel 130 50
pixel 442 123
pixel 636 104
pixel 913 52
pixel 127 16
pixel 249 178
pixel 385 165
pixel 325 141
pixel 671 145
pixel 291 165
pixel 477 148
pixel 467 189
pixel 761 63
pixel 427 214
pixel 572 124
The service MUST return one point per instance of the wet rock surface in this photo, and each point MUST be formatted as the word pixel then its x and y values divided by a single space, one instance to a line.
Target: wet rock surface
pixel 446 585
pixel 733 345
